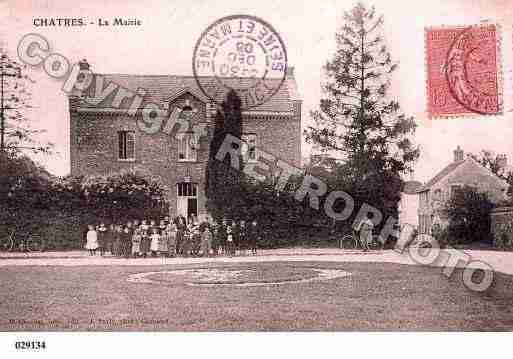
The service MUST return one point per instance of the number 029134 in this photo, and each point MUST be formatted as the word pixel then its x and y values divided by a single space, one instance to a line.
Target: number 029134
pixel 30 345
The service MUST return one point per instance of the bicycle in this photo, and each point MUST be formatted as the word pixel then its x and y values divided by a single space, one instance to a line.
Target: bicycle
pixel 7 243
pixel 349 241
pixel 28 243
pixel 352 241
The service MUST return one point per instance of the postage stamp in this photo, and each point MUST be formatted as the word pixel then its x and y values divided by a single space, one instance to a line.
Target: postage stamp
pixel 241 53
pixel 463 71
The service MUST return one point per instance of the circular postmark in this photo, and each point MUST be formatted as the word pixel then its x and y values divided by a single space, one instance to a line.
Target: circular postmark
pixel 471 70
pixel 240 53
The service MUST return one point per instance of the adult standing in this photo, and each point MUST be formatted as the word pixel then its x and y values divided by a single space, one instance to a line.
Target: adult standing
pixel 109 238
pixel 171 241
pixel 145 240
pixel 181 227
pixel 252 234
pixel 126 242
pixel 214 228
pixel 116 242
pixel 365 228
pixel 242 237
pixel 222 235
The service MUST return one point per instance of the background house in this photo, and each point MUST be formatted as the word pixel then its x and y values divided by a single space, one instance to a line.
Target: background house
pixel 105 138
pixel 462 171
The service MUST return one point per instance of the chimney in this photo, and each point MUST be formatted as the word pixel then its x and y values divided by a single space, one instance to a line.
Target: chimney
pixel 290 71
pixel 458 154
pixel 502 161
pixel 84 65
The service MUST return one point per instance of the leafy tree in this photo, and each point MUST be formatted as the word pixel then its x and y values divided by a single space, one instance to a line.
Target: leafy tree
pixel 495 163
pixel 223 183
pixel 356 118
pixel 23 191
pixel 16 132
pixel 468 212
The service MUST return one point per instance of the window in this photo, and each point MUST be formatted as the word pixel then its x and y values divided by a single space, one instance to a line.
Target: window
pixel 249 150
pixel 186 189
pixel 187 147
pixel 455 189
pixel 126 147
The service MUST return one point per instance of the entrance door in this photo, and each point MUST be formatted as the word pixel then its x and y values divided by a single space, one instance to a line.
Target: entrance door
pixel 192 207
pixel 187 199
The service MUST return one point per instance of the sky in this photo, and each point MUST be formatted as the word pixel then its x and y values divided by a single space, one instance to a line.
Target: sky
pixel 164 44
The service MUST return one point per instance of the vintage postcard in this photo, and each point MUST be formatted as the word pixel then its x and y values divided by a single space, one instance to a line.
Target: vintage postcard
pixel 170 166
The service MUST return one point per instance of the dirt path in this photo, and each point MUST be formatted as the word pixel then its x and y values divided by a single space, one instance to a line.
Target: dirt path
pixel 499 261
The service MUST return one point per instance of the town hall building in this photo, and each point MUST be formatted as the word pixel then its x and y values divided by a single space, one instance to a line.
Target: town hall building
pixel 105 136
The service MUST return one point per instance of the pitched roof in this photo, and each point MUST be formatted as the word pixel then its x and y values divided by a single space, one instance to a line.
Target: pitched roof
pixel 411 187
pixel 444 172
pixel 161 88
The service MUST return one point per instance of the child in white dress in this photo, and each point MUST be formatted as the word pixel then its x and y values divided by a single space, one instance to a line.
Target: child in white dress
pixel 155 239
pixel 92 240
pixel 136 243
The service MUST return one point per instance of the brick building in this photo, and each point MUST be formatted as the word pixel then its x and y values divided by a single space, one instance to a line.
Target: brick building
pixel 105 137
pixel 462 171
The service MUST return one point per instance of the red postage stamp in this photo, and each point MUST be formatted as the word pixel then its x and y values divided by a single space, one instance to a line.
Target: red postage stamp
pixel 463 71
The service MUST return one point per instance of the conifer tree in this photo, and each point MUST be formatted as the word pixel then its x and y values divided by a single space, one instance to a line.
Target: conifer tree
pixel 223 183
pixel 357 119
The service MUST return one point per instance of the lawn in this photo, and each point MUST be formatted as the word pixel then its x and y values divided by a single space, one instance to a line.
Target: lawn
pixel 376 296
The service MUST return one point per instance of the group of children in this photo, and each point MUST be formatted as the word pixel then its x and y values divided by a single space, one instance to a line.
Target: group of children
pixel 173 238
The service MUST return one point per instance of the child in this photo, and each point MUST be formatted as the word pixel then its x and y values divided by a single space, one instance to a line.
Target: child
pixel 126 242
pixel 102 239
pixel 164 239
pixel 153 225
pixel 144 226
pixel 136 243
pixel 206 242
pixel 92 240
pixel 145 240
pixel 230 248
pixel 155 239
pixel 243 245
pixel 162 226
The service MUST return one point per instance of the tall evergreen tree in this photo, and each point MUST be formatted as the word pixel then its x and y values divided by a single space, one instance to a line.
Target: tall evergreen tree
pixel 357 118
pixel 223 183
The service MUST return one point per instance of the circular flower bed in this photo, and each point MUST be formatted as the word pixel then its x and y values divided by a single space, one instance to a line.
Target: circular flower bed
pixel 245 277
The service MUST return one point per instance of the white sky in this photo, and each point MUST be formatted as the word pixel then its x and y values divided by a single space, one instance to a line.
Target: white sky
pixel 165 41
